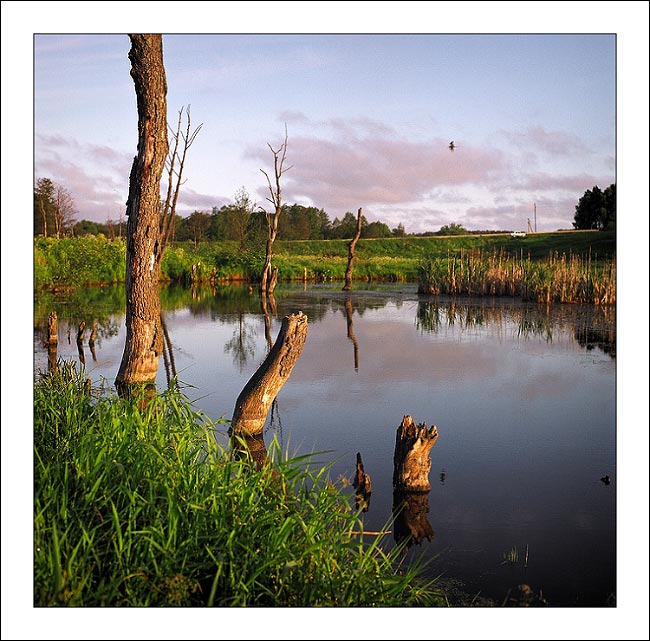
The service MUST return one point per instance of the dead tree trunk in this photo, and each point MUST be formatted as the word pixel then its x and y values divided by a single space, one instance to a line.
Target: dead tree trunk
pixel 351 247
pixel 363 486
pixel 411 461
pixel 144 340
pixel 256 398
pixel 269 275
pixel 52 341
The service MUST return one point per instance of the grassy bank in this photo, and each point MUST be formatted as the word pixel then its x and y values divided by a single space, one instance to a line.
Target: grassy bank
pixel 137 504
pixel 89 260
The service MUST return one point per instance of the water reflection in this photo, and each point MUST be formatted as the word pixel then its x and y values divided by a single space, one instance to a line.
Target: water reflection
pixel 350 326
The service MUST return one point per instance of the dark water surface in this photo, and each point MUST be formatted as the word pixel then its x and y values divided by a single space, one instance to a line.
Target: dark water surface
pixel 524 397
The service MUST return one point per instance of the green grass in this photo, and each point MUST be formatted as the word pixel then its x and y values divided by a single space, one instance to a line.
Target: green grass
pixel 80 261
pixel 140 504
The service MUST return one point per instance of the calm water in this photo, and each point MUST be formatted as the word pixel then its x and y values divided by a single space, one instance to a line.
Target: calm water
pixel 523 396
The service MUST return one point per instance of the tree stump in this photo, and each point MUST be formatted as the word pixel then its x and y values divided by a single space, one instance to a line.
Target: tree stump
pixel 254 401
pixel 52 329
pixel 363 486
pixel 411 461
pixel 353 243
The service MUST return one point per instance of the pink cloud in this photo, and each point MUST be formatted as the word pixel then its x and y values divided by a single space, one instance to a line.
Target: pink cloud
pixel 554 143
pixel 352 170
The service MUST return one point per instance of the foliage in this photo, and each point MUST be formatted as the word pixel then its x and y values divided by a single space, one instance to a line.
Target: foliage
pixel 78 261
pixel 71 261
pixel 596 209
pixel 453 229
pixel 136 503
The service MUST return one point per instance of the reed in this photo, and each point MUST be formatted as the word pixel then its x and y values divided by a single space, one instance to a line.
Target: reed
pixel 143 504
pixel 558 279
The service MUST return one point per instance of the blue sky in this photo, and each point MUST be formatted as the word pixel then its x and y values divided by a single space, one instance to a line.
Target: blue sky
pixel 369 118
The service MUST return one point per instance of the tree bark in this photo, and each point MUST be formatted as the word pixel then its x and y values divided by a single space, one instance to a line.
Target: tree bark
pixel 351 247
pixel 411 461
pixel 144 340
pixel 255 399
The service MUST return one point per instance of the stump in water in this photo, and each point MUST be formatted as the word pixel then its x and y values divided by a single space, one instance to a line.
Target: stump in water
pixel 80 333
pixel 363 486
pixel 411 461
pixel 254 401
pixel 52 330
pixel 351 246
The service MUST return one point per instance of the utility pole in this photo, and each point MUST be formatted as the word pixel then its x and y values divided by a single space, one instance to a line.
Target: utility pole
pixel 535 210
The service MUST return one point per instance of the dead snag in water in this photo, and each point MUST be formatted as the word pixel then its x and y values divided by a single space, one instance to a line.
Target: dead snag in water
pixel 351 246
pixel 411 462
pixel 254 401
pixel 80 333
pixel 52 330
pixel 363 486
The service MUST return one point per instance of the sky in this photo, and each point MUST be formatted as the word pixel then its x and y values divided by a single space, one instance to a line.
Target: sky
pixel 539 114
pixel 368 116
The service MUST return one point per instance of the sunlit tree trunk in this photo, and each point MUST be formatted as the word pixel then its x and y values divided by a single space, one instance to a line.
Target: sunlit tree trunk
pixel 144 336
pixel 351 247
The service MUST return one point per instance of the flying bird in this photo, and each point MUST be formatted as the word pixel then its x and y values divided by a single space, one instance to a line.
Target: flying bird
pixel 452 146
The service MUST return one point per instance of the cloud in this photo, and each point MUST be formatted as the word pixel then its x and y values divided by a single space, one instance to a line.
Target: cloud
pixel 366 164
pixel 554 143
pixel 97 176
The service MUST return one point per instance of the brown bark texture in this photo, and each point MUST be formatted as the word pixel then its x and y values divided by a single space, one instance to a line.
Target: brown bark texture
pixel 351 248
pixel 52 329
pixel 144 339
pixel 254 401
pixel 411 461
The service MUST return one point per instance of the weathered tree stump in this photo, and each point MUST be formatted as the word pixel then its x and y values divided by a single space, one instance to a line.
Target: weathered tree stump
pixel 363 485
pixel 411 461
pixel 254 401
pixel 80 333
pixel 52 330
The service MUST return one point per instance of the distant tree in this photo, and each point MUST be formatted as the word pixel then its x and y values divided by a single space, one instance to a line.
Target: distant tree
pixel 399 231
pixel 347 227
pixel 376 229
pixel 44 206
pixel 596 209
pixel 198 225
pixel 86 227
pixel 64 211
pixel 453 229
pixel 609 196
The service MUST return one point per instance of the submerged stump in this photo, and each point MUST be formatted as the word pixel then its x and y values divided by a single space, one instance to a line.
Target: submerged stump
pixel 255 400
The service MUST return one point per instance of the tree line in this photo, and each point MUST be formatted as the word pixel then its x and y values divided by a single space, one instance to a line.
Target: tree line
pixel 245 223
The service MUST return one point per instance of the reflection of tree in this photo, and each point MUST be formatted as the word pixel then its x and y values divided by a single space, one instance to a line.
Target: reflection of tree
pixel 168 353
pixel 242 343
pixel 410 521
pixel 591 326
pixel 351 336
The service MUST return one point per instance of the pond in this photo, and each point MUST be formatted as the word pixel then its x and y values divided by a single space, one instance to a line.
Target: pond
pixel 523 475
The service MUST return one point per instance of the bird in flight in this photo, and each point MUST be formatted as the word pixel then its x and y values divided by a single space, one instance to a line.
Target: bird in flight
pixel 452 146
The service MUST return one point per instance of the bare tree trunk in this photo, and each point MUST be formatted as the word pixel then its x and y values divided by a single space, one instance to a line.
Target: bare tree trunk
pixel 411 461
pixel 351 247
pixel 256 398
pixel 52 342
pixel 144 340
pixel 269 277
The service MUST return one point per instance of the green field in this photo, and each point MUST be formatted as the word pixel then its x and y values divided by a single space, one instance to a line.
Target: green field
pixel 97 260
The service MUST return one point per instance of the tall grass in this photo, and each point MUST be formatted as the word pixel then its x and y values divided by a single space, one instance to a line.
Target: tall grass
pixel 138 504
pixel 558 279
